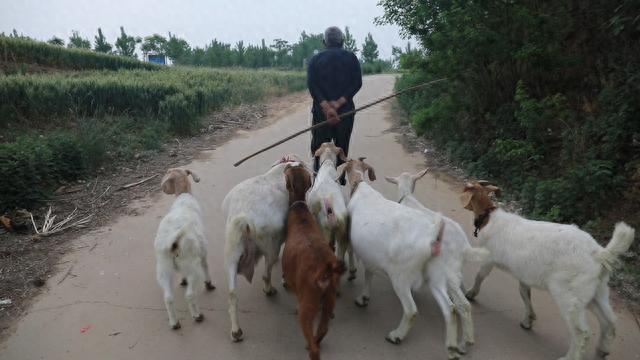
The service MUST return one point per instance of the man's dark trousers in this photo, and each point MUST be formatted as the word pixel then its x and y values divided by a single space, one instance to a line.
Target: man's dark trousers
pixel 340 134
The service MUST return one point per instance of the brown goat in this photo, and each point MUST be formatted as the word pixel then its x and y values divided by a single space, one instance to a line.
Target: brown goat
pixel 310 268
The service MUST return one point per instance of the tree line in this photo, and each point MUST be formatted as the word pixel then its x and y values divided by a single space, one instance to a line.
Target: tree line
pixel 280 53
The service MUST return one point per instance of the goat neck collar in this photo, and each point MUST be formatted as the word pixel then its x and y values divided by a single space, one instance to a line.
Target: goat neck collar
pixel 481 220
pixel 354 187
pixel 297 202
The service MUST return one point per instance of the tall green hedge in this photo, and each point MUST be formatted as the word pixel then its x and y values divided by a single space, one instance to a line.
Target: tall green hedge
pixel 20 50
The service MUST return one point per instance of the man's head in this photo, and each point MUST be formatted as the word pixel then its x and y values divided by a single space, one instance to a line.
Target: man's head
pixel 333 37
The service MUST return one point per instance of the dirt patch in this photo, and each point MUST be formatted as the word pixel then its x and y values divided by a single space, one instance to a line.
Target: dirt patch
pixel 28 261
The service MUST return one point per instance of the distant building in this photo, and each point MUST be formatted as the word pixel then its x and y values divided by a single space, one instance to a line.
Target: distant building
pixel 156 58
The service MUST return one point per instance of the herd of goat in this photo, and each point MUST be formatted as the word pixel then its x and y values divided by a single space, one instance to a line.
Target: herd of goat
pixel 319 222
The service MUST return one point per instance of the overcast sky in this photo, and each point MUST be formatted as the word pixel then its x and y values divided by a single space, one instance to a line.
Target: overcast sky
pixel 198 21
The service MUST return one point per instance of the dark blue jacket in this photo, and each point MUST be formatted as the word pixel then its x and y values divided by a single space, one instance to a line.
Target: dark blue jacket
pixel 331 74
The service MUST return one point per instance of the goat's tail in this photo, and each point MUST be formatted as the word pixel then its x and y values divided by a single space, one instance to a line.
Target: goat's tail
pixel 476 254
pixel 239 248
pixel 438 221
pixel 238 229
pixel 330 213
pixel 622 239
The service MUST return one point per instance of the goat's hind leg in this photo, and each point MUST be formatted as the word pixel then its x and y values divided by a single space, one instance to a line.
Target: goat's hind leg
pixel 306 314
pixel 236 331
pixel 164 274
pixel 483 273
pixel 363 299
pixel 574 313
pixel 438 289
pixel 268 289
pixel 463 309
pixel 606 317
pixel 529 314
pixel 325 316
pixel 410 311
pixel 208 284
pixel 190 297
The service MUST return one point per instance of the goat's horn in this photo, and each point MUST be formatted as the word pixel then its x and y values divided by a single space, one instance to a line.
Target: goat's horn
pixel 485 183
pixel 362 158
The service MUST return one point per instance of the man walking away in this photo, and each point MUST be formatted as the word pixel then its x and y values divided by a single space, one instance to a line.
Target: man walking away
pixel 333 78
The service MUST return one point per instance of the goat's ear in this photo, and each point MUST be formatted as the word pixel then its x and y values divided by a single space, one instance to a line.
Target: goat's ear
pixel 465 199
pixel 341 155
pixel 494 189
pixel 318 151
pixel 391 179
pixel 195 176
pixel 168 183
pixel 371 172
pixel 341 171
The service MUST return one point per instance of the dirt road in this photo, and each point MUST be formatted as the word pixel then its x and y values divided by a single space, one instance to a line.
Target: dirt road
pixel 105 304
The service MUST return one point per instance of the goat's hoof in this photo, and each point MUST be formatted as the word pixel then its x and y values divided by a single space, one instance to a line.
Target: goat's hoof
pixel 272 291
pixel 461 349
pixel 183 282
pixel 285 285
pixel 453 353
pixel 332 316
pixel 176 326
pixel 471 295
pixel 602 353
pixel 237 336
pixel 362 301
pixel 352 275
pixel 526 325
pixel 199 318
pixel 394 340
pixel 209 286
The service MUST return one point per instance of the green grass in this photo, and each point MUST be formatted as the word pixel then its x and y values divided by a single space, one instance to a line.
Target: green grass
pixel 23 51
pixel 63 126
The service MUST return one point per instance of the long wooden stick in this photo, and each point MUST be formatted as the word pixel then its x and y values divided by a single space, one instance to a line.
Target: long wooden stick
pixel 348 113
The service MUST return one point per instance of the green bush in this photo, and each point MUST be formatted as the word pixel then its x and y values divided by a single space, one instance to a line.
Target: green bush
pixel 531 101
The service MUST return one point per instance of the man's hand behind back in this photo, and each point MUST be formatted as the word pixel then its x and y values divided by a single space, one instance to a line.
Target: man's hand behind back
pixel 330 112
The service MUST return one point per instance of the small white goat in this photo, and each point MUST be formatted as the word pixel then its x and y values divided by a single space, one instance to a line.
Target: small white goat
pixel 327 203
pixel 181 245
pixel 456 249
pixel 559 258
pixel 399 242
pixel 256 212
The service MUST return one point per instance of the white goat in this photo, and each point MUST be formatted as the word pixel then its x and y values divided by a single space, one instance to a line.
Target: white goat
pixel 456 249
pixel 559 258
pixel 256 211
pixel 327 203
pixel 399 242
pixel 181 245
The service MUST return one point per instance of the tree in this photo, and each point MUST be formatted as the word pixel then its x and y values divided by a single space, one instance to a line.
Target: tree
pixel 350 41
pixel 101 44
pixel 56 41
pixel 126 45
pixel 155 43
pixel 282 49
pixel 78 42
pixel 369 49
pixel 177 49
